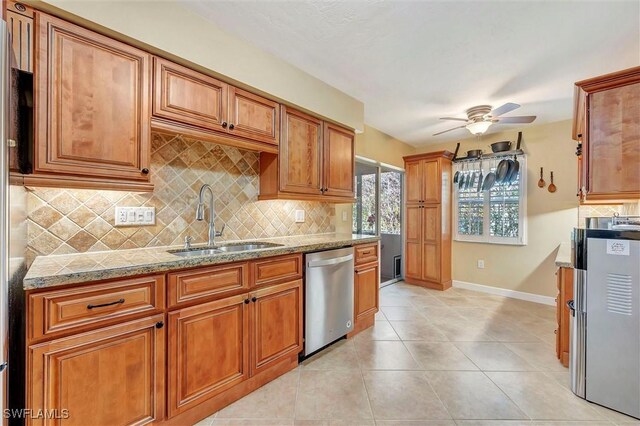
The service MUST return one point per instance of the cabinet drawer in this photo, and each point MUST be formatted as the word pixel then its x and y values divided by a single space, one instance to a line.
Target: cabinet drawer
pixel 276 269
pixel 366 253
pixel 52 312
pixel 203 283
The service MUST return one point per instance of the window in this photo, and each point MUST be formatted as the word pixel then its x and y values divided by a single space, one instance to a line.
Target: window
pixel 495 216
pixel 390 197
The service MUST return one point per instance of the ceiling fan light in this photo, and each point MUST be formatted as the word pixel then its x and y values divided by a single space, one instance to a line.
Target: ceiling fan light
pixel 478 127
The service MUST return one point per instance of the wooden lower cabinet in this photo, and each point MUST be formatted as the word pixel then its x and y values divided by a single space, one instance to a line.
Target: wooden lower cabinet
pixel 208 351
pixel 565 293
pixel 367 284
pixel 276 324
pixel 110 376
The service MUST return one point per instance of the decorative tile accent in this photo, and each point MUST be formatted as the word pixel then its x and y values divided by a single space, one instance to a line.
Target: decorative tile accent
pixel 607 210
pixel 75 221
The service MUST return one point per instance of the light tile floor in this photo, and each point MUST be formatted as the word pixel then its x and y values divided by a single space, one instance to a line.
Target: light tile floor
pixel 433 358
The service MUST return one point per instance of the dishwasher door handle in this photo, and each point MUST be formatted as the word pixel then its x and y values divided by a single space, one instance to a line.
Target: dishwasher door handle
pixel 327 262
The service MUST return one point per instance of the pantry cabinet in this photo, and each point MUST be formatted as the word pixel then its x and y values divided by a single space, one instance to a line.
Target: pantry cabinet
pixel 607 124
pixel 114 375
pixel 92 109
pixel 316 161
pixel 428 220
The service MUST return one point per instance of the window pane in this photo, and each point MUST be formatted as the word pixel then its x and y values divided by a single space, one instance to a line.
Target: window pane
pixel 364 210
pixel 390 195
pixel 504 210
pixel 470 205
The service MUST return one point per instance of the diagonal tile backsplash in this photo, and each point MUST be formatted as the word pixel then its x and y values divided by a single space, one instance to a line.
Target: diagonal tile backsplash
pixel 64 221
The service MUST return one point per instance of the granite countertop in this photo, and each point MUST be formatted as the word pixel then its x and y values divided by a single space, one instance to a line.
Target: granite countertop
pixel 55 270
pixel 563 258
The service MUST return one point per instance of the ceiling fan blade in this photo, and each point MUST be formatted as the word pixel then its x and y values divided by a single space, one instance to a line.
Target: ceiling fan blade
pixel 515 120
pixel 445 131
pixel 453 118
pixel 508 107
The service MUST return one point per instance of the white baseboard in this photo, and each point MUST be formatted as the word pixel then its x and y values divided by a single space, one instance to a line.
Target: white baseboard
pixel 529 297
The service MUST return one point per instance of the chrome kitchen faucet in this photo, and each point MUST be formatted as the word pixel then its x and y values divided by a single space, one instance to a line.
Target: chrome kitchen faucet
pixel 212 214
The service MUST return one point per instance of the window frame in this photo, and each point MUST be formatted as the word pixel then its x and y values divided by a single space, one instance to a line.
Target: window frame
pixel 487 238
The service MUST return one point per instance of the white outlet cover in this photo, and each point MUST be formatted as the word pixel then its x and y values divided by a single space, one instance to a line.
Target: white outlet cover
pixel 344 216
pixel 299 216
pixel 135 216
pixel 480 264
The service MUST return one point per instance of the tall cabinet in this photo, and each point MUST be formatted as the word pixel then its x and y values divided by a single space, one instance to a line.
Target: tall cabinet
pixel 428 220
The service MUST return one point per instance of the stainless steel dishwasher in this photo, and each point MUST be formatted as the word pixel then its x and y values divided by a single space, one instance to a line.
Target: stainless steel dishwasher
pixel 328 297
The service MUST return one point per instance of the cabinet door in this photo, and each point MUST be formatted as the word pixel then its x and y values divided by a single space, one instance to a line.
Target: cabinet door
pixel 190 97
pixel 413 255
pixel 113 375
pixel 613 142
pixel 432 181
pixel 430 262
pixel 339 161
pixel 367 284
pixel 92 103
pixel 431 224
pixel 208 351
pixel 414 181
pixel 300 153
pixel 253 117
pixel 276 324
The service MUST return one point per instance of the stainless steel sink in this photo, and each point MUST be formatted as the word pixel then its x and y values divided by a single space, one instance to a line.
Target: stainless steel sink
pixel 196 252
pixel 208 251
pixel 247 246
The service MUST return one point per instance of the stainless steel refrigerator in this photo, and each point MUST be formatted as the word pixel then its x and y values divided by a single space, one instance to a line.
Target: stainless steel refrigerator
pixel 605 332
pixel 13 239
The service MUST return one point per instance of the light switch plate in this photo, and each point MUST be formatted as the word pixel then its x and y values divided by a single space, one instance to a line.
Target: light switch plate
pixel 480 264
pixel 299 216
pixel 344 216
pixel 135 216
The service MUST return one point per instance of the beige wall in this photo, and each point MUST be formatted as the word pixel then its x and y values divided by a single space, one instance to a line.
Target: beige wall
pixel 378 146
pixel 173 30
pixel 550 217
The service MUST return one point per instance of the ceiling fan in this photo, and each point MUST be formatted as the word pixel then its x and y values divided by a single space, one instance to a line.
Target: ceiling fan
pixel 480 117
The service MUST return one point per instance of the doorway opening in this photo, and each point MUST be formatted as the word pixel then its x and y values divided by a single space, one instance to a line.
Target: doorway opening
pixel 378 211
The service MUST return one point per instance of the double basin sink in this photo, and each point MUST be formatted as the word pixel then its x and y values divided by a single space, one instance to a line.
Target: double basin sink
pixel 208 251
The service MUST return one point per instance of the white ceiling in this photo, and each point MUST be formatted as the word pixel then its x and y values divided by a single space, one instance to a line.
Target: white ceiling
pixel 412 62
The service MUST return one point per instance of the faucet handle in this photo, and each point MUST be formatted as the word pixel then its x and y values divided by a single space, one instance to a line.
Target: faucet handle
pixel 187 241
pixel 219 233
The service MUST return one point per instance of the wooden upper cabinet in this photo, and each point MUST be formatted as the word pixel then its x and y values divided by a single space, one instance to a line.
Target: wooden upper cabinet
pixel 113 375
pixel 253 117
pixel 276 324
pixel 338 161
pixel 414 181
pixel 300 153
pixel 92 104
pixel 20 25
pixel 184 95
pixel 607 121
pixel 208 351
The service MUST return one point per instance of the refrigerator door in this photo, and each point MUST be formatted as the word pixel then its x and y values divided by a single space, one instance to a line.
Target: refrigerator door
pixel 613 329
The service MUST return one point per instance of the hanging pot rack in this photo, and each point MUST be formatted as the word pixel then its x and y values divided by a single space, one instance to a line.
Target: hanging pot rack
pixel 503 154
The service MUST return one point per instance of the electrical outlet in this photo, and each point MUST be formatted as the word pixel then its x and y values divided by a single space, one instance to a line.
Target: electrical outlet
pixel 344 216
pixel 480 264
pixel 135 216
pixel 299 216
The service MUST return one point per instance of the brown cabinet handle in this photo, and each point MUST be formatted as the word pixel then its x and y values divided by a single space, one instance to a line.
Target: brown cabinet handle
pixel 366 252
pixel 253 299
pixel 231 126
pixel 224 124
pixel 117 302
pixel 145 171
pixel 246 301
pixel 159 324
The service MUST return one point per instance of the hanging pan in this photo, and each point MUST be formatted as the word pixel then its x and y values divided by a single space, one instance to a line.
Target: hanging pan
pixel 480 178
pixel 502 171
pixel 513 176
